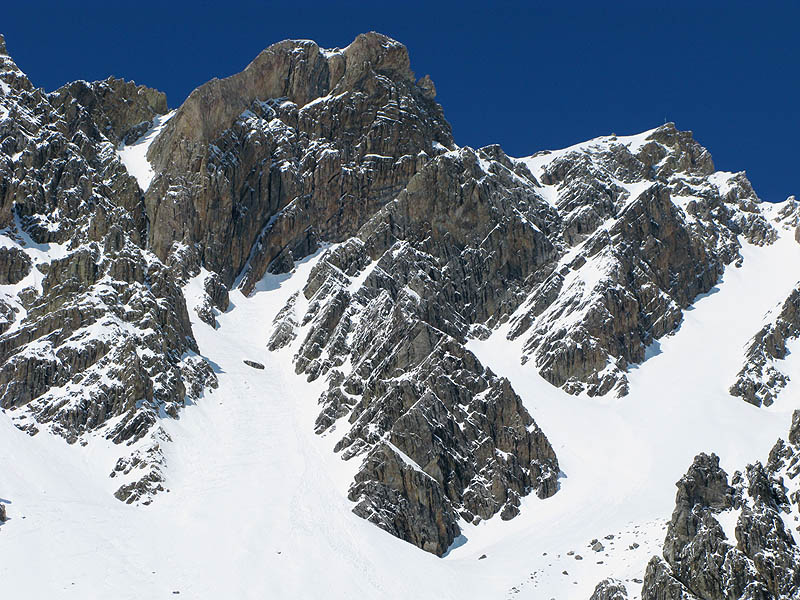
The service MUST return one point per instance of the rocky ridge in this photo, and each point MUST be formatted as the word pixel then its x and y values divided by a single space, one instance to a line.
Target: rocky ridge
pixel 733 538
pixel 646 225
pixel 588 255
pixel 476 239
pixel 761 379
pixel 95 333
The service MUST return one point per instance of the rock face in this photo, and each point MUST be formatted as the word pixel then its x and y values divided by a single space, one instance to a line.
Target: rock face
pixel 121 110
pixel 704 560
pixel 610 589
pixel 303 146
pixel 96 336
pixel 644 225
pixel 442 438
pixel 586 256
pixel 761 380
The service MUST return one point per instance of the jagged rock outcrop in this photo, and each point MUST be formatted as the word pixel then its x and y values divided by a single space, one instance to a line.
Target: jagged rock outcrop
pixel 761 380
pixel 610 589
pixel 442 438
pixel 142 473
pixel 15 265
pixel 96 335
pixel 646 225
pixel 302 146
pixel 121 110
pixel 759 559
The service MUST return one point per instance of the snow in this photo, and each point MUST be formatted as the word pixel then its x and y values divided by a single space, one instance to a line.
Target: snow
pixel 722 180
pixel 728 519
pixel 406 459
pixel 622 457
pixel 134 156
pixel 258 503
pixel 330 52
pixel 321 100
pixel 538 161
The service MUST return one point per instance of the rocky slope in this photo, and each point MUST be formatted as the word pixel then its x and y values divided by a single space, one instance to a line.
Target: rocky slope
pixel 301 147
pixel 473 241
pixel 95 330
pixel 589 255
pixel 733 538
pixel 761 378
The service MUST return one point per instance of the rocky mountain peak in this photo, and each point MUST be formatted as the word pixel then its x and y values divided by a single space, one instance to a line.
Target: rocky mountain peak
pixel 375 52
pixel 296 70
pixel 133 238
pixel 123 110
pixel 10 73
pixel 302 146
pixel 688 155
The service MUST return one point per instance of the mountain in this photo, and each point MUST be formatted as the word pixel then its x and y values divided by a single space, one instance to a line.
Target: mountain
pixel 243 340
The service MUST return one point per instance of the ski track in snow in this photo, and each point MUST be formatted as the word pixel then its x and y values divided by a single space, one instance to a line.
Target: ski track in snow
pixel 257 506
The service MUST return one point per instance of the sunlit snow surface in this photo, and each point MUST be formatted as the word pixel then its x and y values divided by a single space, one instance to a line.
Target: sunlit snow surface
pixel 257 506
pixel 134 156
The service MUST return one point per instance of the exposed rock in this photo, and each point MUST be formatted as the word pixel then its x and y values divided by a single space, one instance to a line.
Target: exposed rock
pixel 254 364
pixel 701 562
pixel 14 265
pixel 144 471
pixel 121 110
pixel 453 261
pixel 100 341
pixel 761 380
pixel 303 145
pixel 794 432
pixel 640 253
pixel 610 589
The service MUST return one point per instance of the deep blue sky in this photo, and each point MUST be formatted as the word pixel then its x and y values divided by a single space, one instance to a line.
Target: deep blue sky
pixel 526 75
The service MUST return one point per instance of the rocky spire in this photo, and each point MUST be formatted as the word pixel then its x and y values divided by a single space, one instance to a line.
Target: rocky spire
pixel 759 558
pixel 10 73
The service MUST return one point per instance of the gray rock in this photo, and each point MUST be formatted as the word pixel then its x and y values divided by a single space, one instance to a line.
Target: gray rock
pixel 700 562
pixel 610 589
pixel 271 160
pixel 760 380
pixel 111 324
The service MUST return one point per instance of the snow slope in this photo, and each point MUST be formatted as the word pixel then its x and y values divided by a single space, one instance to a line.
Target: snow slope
pixel 257 506
pixel 622 456
pixel 134 156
